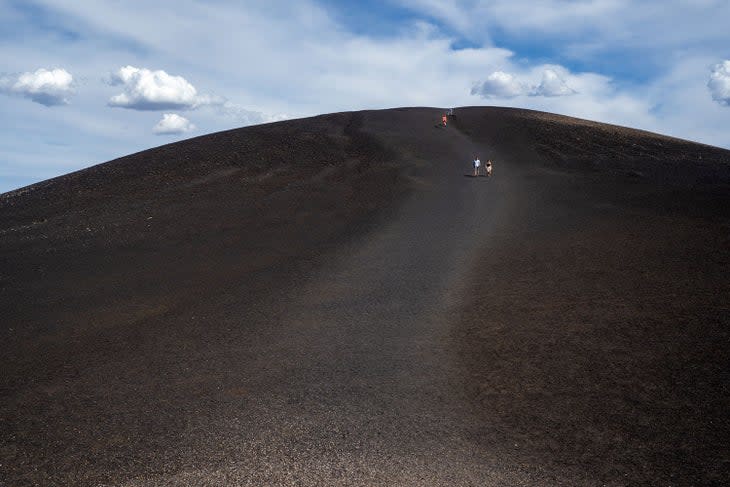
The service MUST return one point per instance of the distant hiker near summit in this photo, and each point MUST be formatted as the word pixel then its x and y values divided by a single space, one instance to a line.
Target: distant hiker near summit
pixel 477 163
pixel 443 119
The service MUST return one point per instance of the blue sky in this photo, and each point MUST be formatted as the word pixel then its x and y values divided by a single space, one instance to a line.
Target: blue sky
pixel 86 81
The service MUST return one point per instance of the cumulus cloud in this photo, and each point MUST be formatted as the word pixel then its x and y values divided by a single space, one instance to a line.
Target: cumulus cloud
pixel 47 87
pixel 156 90
pixel 719 83
pixel 172 124
pixel 505 85
pixel 500 85
pixel 552 85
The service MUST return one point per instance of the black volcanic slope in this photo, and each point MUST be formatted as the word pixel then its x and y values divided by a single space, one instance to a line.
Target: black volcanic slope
pixel 333 301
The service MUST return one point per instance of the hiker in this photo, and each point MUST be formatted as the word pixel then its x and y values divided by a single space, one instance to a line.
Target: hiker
pixel 477 163
pixel 450 112
pixel 488 168
pixel 443 119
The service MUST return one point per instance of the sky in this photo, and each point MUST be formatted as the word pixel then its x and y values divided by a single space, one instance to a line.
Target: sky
pixel 87 81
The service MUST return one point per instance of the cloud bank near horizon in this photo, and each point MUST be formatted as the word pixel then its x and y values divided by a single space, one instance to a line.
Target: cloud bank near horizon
pixel 505 85
pixel 173 124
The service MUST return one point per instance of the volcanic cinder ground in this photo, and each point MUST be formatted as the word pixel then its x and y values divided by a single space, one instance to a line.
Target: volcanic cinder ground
pixel 335 301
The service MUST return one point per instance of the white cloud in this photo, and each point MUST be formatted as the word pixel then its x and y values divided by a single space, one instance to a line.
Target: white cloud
pixel 156 90
pixel 47 87
pixel 500 85
pixel 552 84
pixel 505 85
pixel 173 123
pixel 145 89
pixel 719 83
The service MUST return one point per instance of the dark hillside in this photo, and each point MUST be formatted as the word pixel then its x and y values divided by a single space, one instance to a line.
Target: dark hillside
pixel 330 301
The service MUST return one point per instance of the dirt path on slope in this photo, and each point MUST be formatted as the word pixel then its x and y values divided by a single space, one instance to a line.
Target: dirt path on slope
pixel 357 382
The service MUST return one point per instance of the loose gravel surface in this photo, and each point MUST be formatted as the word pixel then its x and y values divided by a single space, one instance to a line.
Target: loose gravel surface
pixel 336 301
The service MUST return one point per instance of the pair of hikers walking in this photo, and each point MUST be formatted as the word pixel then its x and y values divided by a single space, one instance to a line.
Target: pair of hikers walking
pixel 487 167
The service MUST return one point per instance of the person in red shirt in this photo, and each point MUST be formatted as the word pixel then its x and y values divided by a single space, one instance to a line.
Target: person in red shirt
pixel 443 120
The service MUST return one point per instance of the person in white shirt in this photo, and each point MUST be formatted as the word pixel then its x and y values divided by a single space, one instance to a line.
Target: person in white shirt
pixel 477 163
